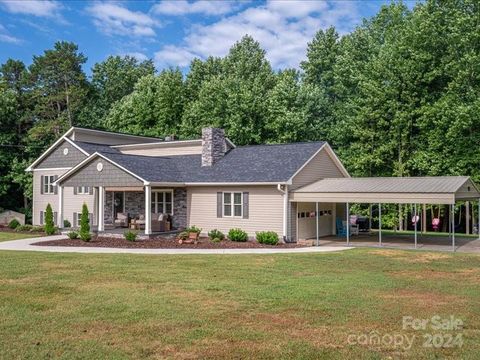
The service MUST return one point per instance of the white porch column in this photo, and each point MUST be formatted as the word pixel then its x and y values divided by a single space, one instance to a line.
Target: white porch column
pixel 60 208
pixel 148 209
pixel 347 211
pixel 285 213
pixel 478 218
pixel 467 217
pixel 380 224
pixel 316 221
pixel 101 209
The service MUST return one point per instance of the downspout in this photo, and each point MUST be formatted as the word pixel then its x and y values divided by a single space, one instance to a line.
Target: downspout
pixel 284 190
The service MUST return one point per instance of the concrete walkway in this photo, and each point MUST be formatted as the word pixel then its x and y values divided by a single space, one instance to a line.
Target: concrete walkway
pixel 26 245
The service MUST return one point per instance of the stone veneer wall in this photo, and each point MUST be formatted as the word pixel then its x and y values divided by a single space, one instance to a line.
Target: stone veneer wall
pixel 179 208
pixel 135 205
pixel 213 145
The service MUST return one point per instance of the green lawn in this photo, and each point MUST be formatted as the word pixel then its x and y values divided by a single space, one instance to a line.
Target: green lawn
pixel 6 236
pixel 246 306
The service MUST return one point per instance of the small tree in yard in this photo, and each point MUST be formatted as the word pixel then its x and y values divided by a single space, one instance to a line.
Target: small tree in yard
pixel 49 225
pixel 85 224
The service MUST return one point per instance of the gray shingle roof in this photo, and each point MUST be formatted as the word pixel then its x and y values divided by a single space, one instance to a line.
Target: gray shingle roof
pixel 256 163
pixel 90 148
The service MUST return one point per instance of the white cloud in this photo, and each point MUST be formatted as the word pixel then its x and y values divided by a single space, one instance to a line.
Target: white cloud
pixel 184 7
pixel 45 8
pixel 283 29
pixel 113 19
pixel 137 55
pixel 7 38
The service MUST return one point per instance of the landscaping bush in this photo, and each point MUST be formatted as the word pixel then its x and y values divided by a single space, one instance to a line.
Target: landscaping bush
pixel 194 229
pixel 216 235
pixel 85 224
pixel 13 224
pixel 24 228
pixel 40 228
pixel 237 235
pixel 183 235
pixel 49 225
pixel 72 235
pixel 267 237
pixel 130 235
pixel 67 224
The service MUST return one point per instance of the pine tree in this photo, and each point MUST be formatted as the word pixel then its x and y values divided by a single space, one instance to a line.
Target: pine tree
pixel 85 224
pixel 49 225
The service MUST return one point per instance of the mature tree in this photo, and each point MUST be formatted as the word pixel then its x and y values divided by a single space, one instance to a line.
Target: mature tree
pixel 154 108
pixel 59 83
pixel 112 80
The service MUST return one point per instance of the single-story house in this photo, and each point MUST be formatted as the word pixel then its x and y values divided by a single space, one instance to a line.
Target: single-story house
pixel 214 184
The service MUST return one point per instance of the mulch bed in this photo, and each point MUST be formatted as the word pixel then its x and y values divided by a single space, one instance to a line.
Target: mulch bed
pixel 159 243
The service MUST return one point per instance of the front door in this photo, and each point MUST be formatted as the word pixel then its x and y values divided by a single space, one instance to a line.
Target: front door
pixel 118 203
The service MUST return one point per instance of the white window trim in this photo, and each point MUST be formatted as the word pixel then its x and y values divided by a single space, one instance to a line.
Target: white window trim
pixel 156 202
pixel 48 180
pixel 232 204
pixel 83 190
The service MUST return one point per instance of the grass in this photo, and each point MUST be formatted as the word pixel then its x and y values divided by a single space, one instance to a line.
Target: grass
pixel 282 306
pixel 7 236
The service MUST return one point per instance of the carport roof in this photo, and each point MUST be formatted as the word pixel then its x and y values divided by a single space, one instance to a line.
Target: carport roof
pixel 430 190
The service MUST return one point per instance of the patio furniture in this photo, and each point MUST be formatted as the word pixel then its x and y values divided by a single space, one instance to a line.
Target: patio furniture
pixel 121 220
pixel 341 230
pixel 354 228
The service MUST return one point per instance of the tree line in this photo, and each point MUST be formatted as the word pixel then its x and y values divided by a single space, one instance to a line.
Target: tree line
pixel 397 96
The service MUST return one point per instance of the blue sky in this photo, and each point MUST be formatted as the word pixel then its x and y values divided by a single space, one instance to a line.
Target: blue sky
pixel 172 32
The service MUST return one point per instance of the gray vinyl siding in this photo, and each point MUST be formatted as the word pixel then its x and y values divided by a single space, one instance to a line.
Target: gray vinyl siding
pixel 56 159
pixel 71 203
pixel 321 166
pixel 111 175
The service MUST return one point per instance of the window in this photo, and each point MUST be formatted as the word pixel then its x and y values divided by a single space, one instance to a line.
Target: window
pixel 232 204
pixel 48 187
pixel 162 202
pixel 83 190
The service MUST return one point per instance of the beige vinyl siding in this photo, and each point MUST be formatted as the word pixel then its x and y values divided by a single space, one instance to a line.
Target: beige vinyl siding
pixel 467 191
pixel 107 139
pixel 265 209
pixel 306 225
pixel 293 221
pixel 321 166
pixel 72 203
pixel 164 151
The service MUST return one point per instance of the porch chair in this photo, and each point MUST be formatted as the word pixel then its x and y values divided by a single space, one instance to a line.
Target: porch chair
pixel 121 220
pixel 341 230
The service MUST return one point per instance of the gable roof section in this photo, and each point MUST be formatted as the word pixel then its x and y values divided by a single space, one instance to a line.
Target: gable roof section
pixel 245 164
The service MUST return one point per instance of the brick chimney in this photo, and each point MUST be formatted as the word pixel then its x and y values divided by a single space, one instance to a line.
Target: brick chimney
pixel 213 145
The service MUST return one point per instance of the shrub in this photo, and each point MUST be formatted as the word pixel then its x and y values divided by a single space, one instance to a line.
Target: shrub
pixel 194 229
pixel 67 224
pixel 13 224
pixel 216 234
pixel 49 225
pixel 73 235
pixel 25 227
pixel 215 240
pixel 237 235
pixel 267 237
pixel 183 235
pixel 85 224
pixel 130 235
pixel 40 228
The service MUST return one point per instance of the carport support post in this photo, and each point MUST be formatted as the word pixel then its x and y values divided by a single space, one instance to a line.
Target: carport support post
pixel 415 219
pixel 316 221
pixel 478 218
pixel 452 220
pixel 348 223
pixel 380 224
